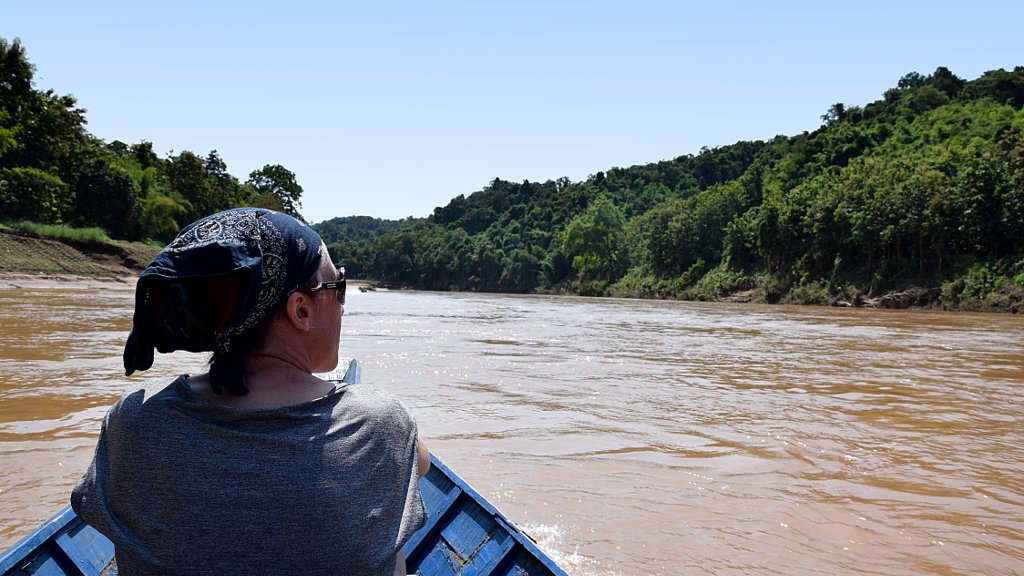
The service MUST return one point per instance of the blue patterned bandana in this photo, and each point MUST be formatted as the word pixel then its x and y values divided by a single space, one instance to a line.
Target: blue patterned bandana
pixel 217 280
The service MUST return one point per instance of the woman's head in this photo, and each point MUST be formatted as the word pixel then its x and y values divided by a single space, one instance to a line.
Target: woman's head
pixel 218 285
pixel 308 321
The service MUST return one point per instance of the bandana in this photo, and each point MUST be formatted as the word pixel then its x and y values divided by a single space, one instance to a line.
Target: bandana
pixel 217 280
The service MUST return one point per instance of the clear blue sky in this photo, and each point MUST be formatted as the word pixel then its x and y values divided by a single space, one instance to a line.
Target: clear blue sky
pixel 391 109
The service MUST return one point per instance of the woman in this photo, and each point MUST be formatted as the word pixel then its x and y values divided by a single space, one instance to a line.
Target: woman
pixel 257 467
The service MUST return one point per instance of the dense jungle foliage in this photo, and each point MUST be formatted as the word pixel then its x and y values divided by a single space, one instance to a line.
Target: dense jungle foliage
pixel 920 190
pixel 52 171
pixel 354 238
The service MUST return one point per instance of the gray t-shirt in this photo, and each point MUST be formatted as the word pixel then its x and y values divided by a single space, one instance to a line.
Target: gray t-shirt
pixel 183 485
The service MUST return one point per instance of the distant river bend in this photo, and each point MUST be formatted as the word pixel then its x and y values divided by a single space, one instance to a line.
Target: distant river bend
pixel 628 437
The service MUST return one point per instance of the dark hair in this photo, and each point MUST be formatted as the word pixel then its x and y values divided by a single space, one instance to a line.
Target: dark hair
pixel 227 369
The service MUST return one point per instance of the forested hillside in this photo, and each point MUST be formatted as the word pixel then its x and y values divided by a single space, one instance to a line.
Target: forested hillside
pixel 354 237
pixel 52 171
pixel 920 190
pixel 920 193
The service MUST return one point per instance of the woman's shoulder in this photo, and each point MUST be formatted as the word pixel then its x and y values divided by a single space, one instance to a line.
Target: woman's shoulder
pixel 374 404
pixel 143 400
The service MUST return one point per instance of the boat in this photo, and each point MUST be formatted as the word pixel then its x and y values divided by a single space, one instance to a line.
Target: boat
pixel 464 534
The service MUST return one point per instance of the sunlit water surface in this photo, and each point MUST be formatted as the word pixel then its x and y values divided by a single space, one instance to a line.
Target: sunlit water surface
pixel 628 437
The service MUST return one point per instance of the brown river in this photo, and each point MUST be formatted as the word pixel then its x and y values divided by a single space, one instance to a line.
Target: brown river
pixel 628 437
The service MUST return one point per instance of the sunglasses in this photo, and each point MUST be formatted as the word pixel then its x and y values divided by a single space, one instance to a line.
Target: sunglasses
pixel 338 285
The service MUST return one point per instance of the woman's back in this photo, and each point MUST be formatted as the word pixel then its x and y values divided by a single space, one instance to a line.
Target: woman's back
pixel 184 485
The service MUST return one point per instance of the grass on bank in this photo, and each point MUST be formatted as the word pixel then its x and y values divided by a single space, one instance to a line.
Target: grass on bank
pixel 61 232
pixel 47 248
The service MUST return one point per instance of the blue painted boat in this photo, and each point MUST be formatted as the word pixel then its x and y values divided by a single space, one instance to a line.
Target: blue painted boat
pixel 464 534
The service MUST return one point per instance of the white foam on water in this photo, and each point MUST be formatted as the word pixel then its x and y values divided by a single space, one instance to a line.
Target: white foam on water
pixel 550 539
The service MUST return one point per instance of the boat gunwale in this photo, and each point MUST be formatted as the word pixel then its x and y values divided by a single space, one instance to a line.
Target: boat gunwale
pixel 23 549
pixel 517 533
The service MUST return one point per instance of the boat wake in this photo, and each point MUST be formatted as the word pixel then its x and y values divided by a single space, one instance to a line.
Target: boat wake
pixel 551 539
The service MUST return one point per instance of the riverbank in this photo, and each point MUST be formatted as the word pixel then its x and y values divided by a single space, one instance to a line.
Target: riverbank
pixel 957 296
pixel 25 256
pixel 29 260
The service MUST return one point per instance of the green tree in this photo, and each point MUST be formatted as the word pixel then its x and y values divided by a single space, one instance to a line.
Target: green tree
pixel 836 113
pixel 7 140
pixel 231 191
pixel 594 242
pixel 144 154
pixel 15 73
pixel 186 174
pixel 32 194
pixel 521 271
pixel 159 216
pixel 277 182
pixel 105 197
pixel 44 130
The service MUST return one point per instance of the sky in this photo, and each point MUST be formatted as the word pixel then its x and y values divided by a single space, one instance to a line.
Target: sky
pixel 390 109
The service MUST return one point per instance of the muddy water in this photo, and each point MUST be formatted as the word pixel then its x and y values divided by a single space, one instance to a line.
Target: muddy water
pixel 629 437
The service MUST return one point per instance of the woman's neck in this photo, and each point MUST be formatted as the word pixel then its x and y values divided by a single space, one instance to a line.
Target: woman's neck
pixel 273 382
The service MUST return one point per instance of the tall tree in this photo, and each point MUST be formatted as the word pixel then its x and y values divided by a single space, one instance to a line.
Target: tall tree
pixel 48 129
pixel 277 182
pixel 594 242
pixel 106 196
pixel 187 175
pixel 15 75
pixel 231 190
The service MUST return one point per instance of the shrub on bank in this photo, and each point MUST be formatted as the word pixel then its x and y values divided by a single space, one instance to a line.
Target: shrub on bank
pixel 720 281
pixel 34 194
pixel 817 293
pixel 636 284
pixel 984 288
pixel 93 235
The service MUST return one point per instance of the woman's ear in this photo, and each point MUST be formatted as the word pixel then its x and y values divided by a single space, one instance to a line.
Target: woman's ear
pixel 299 311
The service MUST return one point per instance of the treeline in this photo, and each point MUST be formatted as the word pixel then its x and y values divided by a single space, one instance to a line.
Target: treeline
pixel 508 236
pixel 52 171
pixel 924 187
pixel 354 237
